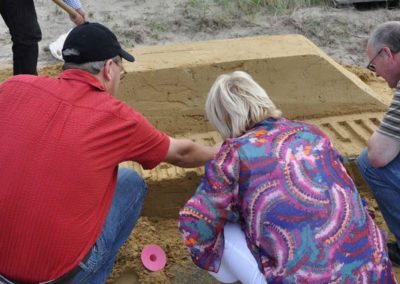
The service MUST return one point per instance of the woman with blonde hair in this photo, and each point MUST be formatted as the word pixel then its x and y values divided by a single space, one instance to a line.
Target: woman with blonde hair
pixel 277 192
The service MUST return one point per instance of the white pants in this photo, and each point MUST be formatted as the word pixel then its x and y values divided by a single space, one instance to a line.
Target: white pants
pixel 238 264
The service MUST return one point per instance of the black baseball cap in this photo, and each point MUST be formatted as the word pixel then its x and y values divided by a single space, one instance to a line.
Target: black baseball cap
pixel 91 42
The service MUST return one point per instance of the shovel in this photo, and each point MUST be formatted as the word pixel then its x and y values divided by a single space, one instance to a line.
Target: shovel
pixel 56 46
pixel 73 14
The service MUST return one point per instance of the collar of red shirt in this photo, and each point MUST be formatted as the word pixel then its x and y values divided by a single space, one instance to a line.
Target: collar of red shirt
pixel 83 76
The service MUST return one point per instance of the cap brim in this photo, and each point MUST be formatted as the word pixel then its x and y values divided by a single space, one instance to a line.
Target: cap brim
pixel 127 56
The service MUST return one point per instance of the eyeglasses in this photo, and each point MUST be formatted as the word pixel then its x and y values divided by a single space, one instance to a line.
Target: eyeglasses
pixel 123 72
pixel 371 65
pixel 121 67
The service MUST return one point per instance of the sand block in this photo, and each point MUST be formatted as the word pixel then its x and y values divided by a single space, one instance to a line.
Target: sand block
pixel 169 84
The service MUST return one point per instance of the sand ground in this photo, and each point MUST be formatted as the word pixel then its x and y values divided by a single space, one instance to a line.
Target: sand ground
pixel 341 33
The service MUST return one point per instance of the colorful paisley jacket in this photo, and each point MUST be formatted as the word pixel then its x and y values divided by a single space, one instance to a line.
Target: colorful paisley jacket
pixel 300 211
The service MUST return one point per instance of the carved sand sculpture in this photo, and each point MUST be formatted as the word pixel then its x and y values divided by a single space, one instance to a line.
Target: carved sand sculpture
pixel 169 85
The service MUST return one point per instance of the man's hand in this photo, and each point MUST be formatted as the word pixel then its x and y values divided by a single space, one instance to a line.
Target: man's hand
pixel 79 19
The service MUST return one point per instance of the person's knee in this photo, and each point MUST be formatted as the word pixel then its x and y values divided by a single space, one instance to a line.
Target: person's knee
pixel 133 185
pixel 139 186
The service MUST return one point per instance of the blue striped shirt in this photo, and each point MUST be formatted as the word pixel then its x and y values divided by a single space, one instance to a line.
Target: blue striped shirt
pixel 391 121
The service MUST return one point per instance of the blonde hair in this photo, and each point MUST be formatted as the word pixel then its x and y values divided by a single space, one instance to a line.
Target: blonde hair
pixel 236 103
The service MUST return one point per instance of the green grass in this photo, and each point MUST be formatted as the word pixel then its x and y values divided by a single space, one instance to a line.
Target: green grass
pixel 285 5
pixel 211 14
pixel 254 6
pixel 157 29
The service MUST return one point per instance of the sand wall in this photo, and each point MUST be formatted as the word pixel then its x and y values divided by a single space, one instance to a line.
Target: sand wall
pixel 169 85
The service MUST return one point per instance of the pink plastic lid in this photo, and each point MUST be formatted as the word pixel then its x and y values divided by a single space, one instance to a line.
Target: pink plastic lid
pixel 153 257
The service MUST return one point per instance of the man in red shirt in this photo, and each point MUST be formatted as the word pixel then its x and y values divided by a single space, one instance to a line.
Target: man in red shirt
pixel 65 206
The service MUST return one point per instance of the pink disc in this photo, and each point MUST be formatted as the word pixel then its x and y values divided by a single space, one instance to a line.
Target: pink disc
pixel 153 257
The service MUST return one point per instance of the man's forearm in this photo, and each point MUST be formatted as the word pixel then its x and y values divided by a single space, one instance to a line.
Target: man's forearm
pixel 197 156
pixel 187 154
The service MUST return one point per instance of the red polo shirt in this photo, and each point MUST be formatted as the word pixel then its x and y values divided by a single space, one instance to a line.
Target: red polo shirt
pixel 60 144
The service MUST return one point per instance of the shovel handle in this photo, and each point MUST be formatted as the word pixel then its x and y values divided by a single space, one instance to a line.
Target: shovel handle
pixel 73 14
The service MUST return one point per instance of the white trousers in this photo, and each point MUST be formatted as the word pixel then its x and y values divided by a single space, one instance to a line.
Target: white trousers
pixel 238 264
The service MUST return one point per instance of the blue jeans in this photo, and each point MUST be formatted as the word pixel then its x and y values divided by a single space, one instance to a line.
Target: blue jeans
pixel 385 185
pixel 124 212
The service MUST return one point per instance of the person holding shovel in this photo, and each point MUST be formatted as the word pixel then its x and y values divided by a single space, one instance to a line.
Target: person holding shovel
pixel 21 20
pixel 66 206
